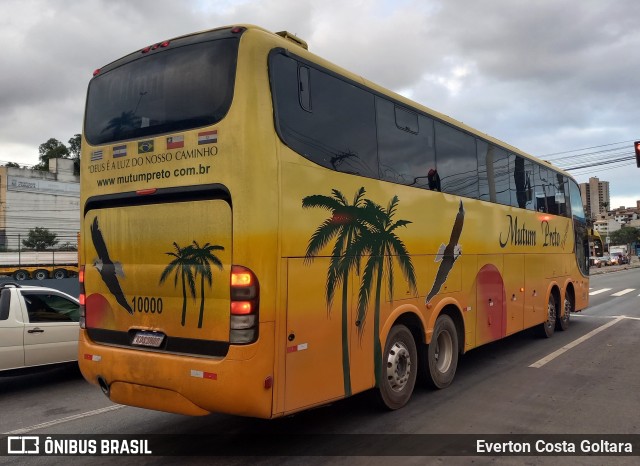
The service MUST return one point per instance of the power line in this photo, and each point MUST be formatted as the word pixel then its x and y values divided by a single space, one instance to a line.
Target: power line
pixel 588 148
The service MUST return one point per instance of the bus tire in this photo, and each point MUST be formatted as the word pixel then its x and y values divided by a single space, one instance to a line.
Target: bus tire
pixel 59 274
pixel 20 275
pixel 547 328
pixel 40 274
pixel 399 368
pixel 562 322
pixel 442 352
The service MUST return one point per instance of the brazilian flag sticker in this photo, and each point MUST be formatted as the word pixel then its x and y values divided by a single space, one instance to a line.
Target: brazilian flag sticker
pixel 144 147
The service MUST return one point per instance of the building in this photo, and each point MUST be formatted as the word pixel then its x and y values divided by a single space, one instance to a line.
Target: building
pixel 606 226
pixel 625 216
pixel 34 198
pixel 595 197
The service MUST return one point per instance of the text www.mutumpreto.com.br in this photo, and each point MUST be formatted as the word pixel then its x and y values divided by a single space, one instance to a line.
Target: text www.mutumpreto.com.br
pixel 155 175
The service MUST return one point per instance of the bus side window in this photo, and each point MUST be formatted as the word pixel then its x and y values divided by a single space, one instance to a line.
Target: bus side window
pixel 340 132
pixel 482 149
pixel 520 182
pixel 523 180
pixel 580 228
pixel 551 192
pixel 562 195
pixel 501 176
pixel 540 178
pixel 457 164
pixel 405 145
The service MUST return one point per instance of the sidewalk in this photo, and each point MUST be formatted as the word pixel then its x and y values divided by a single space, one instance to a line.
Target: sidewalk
pixel 635 263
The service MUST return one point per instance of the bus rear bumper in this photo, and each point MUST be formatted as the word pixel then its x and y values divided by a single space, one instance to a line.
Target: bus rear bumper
pixel 240 383
pixel 147 397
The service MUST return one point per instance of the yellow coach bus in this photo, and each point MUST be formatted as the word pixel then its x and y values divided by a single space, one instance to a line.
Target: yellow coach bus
pixel 264 232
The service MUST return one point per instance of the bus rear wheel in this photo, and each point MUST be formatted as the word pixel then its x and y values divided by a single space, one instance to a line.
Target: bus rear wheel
pixel 399 368
pixel 562 322
pixel 547 328
pixel 442 352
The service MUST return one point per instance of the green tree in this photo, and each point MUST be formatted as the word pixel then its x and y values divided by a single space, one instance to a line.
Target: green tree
pixel 40 239
pixel 52 149
pixel 74 151
pixel 626 235
pixel 203 258
pixel 181 265
pixel 345 224
pixel 383 244
pixel 12 165
pixel 74 146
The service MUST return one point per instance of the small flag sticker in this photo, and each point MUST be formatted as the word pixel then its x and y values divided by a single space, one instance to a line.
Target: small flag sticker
pixel 96 155
pixel 119 151
pixel 204 375
pixel 144 147
pixel 208 137
pixel 175 142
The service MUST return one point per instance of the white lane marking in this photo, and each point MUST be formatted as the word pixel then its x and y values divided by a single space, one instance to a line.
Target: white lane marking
pixel 599 291
pixel 575 343
pixel 44 425
pixel 620 293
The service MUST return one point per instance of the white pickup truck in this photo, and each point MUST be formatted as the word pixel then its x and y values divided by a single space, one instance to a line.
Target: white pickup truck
pixel 38 326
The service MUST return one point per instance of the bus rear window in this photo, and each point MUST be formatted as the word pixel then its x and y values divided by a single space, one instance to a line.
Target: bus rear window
pixel 174 90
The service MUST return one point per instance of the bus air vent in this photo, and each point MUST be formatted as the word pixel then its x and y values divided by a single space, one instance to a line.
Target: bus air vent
pixel 293 38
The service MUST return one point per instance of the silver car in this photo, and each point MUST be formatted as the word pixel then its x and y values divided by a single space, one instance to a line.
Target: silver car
pixel 38 326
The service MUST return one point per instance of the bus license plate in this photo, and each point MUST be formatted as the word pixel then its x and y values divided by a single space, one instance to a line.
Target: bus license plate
pixel 153 339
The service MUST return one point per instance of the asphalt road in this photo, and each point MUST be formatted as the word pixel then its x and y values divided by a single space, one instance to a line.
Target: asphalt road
pixel 582 381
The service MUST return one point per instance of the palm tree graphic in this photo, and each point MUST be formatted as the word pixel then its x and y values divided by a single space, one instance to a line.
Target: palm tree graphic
pixel 181 265
pixel 344 224
pixel 382 244
pixel 203 258
pixel 188 263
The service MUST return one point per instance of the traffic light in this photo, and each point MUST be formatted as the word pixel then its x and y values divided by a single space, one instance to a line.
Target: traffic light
pixel 637 146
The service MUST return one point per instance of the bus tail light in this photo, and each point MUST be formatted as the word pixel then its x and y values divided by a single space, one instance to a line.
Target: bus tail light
pixel 245 300
pixel 82 298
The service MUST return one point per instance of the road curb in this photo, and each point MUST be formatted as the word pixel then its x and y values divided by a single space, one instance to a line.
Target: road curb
pixel 614 268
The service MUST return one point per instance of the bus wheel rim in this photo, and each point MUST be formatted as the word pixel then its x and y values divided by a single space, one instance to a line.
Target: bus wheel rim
pixel 551 314
pixel 444 351
pixel 567 310
pixel 398 366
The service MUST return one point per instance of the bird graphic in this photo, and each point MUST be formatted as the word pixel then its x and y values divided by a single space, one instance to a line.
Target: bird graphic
pixel 448 254
pixel 109 270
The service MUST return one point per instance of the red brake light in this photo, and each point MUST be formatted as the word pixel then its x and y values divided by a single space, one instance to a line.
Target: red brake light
pixel 237 29
pixel 241 308
pixel 82 297
pixel 165 44
pixel 244 305
pixel 96 72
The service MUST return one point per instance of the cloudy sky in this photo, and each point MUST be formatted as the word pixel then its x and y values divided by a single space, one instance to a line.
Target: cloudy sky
pixel 559 80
